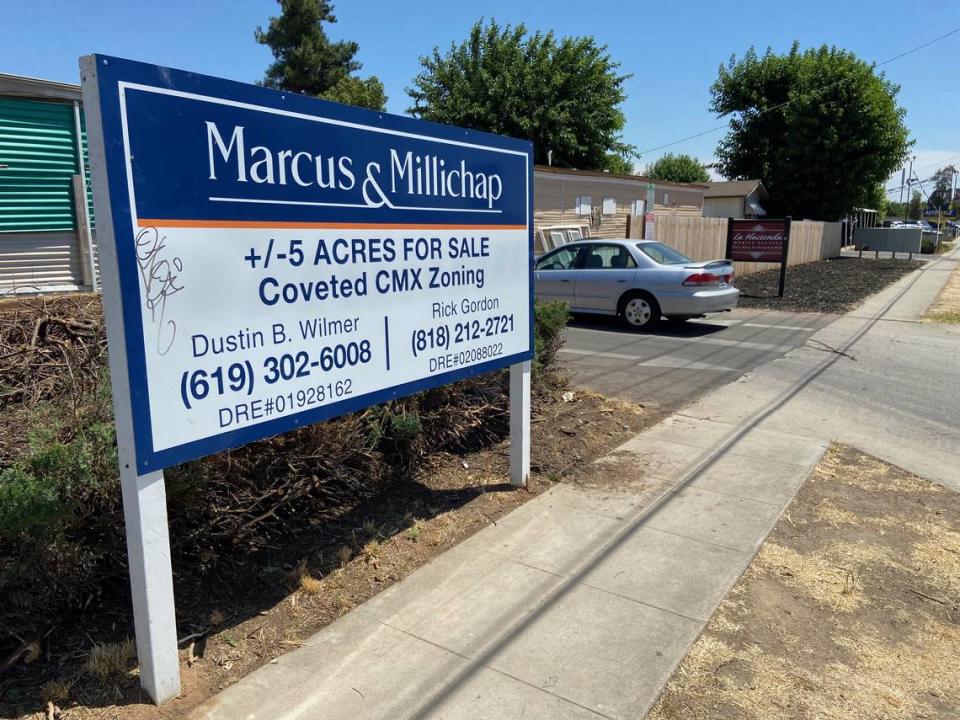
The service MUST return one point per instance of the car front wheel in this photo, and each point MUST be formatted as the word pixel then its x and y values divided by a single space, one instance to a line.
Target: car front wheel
pixel 639 311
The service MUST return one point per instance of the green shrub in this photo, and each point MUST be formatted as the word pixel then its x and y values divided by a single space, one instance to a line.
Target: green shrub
pixel 27 504
pixel 406 426
pixel 57 479
pixel 550 321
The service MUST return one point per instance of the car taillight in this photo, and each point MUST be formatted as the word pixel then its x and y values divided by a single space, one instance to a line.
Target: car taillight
pixel 702 278
pixel 731 276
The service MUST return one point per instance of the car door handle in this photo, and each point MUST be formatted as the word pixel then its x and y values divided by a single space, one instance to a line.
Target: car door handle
pixel 564 281
pixel 621 281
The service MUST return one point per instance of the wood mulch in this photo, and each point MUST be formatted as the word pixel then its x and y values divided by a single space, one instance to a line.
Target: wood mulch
pixel 827 286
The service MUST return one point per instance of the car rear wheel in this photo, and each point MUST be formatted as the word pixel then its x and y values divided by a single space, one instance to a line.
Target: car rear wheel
pixel 639 311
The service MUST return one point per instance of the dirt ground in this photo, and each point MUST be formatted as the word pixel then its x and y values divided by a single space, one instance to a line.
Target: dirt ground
pixel 829 286
pixel 850 610
pixel 271 605
pixel 946 308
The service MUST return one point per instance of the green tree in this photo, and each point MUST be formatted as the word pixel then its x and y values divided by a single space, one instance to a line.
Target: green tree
pixel 352 90
pixel 915 210
pixel 678 168
pixel 897 209
pixel 877 200
pixel 564 94
pixel 306 61
pixel 821 128
pixel 618 164
pixel 942 188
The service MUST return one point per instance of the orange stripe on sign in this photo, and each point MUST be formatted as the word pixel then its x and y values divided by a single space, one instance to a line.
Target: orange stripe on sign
pixel 164 223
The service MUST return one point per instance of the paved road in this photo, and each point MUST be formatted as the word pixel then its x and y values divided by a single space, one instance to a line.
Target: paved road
pixel 678 363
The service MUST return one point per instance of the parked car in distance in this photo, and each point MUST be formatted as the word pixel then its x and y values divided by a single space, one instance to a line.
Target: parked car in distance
pixel 639 281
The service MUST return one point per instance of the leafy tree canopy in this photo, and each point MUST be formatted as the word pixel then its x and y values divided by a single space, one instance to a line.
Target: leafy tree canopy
pixel 564 94
pixel 678 168
pixel 352 90
pixel 942 191
pixel 915 210
pixel 877 200
pixel 619 164
pixel 306 61
pixel 820 127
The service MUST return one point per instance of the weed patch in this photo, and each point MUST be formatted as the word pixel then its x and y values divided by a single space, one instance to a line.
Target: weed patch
pixel 62 544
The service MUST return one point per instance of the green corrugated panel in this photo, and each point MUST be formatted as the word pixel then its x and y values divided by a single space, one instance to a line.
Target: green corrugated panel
pixel 86 164
pixel 38 146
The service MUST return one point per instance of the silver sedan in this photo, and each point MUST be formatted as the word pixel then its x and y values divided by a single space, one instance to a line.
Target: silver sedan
pixel 639 281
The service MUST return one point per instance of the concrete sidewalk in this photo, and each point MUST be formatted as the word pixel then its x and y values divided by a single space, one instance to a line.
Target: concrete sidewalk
pixel 892 393
pixel 581 603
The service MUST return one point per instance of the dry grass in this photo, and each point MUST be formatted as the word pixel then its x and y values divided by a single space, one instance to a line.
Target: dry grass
pixel 308 583
pixel 938 557
pixel 871 475
pixel 949 318
pixel 946 308
pixel 111 661
pixel 832 579
pixel 849 611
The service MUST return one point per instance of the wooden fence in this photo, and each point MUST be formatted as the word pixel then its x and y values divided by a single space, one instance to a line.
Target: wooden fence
pixel 706 239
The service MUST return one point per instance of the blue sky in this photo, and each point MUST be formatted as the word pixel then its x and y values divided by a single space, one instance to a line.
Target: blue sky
pixel 672 54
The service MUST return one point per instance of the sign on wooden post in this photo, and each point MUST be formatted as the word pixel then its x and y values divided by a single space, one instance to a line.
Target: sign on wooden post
pixel 760 241
pixel 272 260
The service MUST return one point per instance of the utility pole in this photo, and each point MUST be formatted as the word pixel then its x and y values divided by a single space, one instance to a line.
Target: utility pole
pixel 939 218
pixel 903 177
pixel 953 188
pixel 949 201
pixel 906 208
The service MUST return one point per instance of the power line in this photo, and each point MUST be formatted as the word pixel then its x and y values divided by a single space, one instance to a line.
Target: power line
pixel 812 94
pixel 941 163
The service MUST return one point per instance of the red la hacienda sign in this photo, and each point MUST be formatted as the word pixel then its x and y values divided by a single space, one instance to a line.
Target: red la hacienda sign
pixel 758 240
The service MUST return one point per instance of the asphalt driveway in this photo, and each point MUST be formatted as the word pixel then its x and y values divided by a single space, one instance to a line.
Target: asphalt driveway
pixel 677 363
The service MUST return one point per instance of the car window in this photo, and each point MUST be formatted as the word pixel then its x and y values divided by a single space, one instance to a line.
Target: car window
pixel 562 259
pixel 609 257
pixel 663 254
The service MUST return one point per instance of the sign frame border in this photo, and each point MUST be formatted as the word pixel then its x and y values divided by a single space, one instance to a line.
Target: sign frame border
pixel 105 115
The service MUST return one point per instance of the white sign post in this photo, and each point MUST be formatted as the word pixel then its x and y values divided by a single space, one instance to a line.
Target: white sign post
pixel 520 423
pixel 270 261
pixel 144 496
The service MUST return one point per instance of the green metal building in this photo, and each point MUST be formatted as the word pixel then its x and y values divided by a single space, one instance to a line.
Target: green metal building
pixel 47 241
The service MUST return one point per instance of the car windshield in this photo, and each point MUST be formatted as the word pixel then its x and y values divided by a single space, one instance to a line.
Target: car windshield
pixel 663 254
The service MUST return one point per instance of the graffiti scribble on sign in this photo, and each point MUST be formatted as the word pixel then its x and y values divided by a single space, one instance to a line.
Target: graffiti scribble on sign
pixel 159 275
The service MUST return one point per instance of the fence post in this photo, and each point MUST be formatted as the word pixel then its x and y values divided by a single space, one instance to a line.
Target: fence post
pixel 786 256
pixel 84 240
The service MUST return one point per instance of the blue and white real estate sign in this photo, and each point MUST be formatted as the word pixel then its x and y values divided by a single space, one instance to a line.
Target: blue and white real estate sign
pixel 283 259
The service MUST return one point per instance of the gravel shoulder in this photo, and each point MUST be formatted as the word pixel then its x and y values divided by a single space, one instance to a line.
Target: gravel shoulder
pixel 836 285
pixel 851 609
